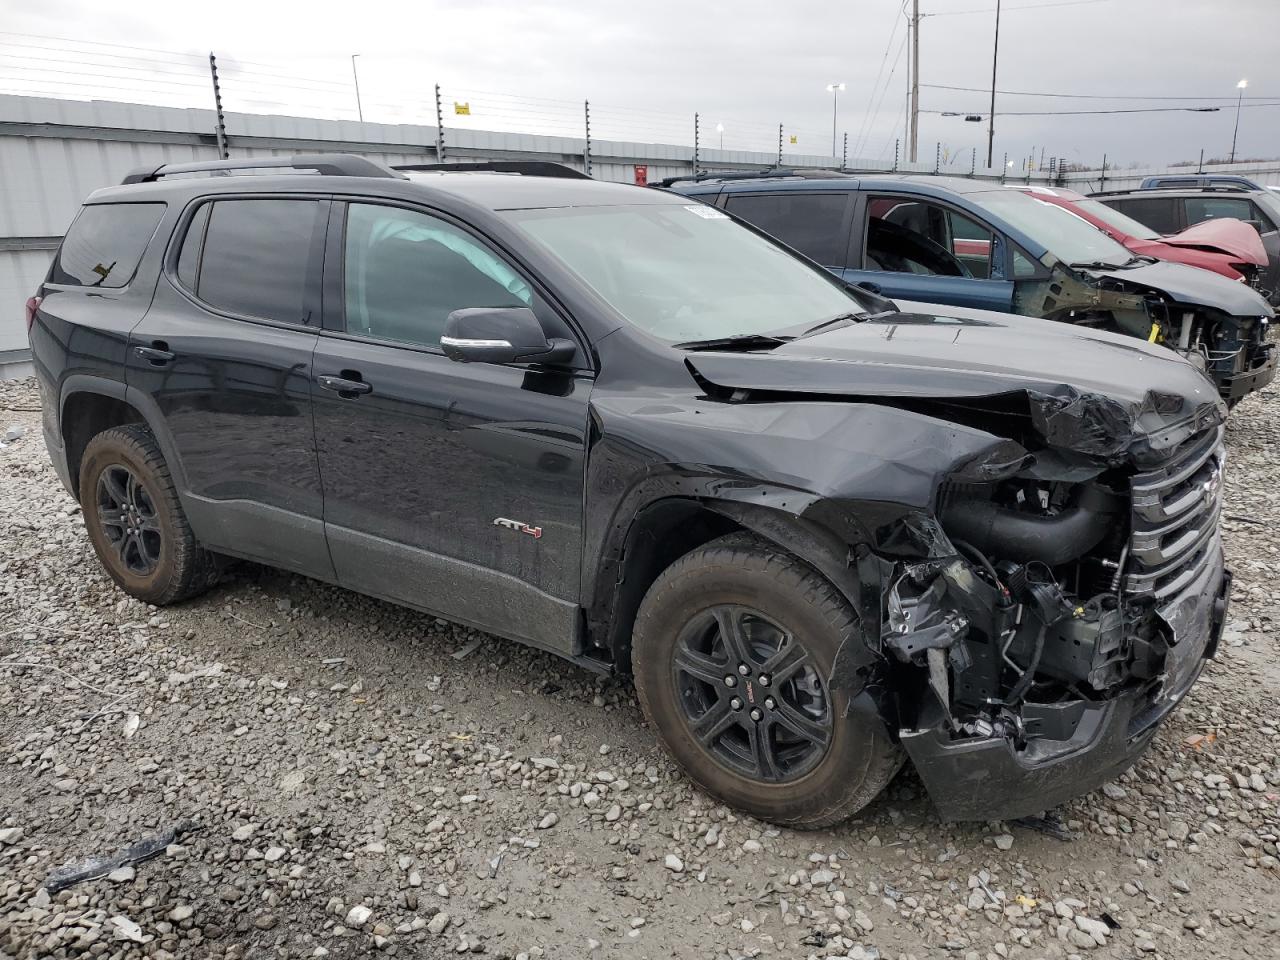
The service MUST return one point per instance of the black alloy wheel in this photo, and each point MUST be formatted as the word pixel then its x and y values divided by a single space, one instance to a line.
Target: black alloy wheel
pixel 751 695
pixel 129 522
pixel 135 521
pixel 733 651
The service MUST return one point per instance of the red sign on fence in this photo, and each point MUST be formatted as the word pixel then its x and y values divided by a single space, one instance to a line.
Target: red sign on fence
pixel 642 174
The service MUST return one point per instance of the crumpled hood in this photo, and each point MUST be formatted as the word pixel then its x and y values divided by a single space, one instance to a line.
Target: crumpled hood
pixel 1233 237
pixel 1192 286
pixel 1088 391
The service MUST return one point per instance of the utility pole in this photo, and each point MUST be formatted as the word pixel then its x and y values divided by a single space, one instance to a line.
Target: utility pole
pixel 356 77
pixel 915 77
pixel 1239 102
pixel 220 124
pixel 991 117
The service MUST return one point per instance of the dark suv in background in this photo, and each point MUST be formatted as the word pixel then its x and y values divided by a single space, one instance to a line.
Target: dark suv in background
pixel 1171 208
pixel 822 534
pixel 978 244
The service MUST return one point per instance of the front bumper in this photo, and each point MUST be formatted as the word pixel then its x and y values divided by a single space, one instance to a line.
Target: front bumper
pixel 989 779
pixel 1262 371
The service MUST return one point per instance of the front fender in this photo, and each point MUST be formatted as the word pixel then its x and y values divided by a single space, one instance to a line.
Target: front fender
pixel 847 487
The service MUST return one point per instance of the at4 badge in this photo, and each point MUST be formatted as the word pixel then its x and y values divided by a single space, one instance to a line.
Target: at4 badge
pixel 518 527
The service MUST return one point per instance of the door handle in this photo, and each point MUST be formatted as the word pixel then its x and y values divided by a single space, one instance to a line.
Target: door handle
pixel 157 355
pixel 344 387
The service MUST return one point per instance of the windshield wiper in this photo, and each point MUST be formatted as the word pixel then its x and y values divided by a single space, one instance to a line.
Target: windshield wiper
pixel 841 319
pixel 745 341
pixel 1104 265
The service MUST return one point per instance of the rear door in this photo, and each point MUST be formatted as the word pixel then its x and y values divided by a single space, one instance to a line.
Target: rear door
pixel 455 488
pixel 929 251
pixel 817 224
pixel 1210 206
pixel 225 352
pixel 93 296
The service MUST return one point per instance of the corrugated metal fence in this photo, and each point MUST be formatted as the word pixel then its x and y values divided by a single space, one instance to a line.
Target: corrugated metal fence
pixel 55 152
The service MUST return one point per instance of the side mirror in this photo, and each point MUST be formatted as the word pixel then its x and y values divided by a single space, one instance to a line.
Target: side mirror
pixel 501 335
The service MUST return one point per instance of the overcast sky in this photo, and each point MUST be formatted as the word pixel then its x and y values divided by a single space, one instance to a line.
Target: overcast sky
pixel 746 66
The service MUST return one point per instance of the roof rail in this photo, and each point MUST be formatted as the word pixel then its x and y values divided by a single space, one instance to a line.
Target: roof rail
pixel 527 168
pixel 327 164
pixel 1140 191
pixel 1213 187
pixel 809 173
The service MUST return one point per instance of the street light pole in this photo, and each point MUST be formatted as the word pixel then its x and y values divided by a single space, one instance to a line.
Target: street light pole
pixel 720 130
pixel 1239 100
pixel 991 118
pixel 356 77
pixel 835 89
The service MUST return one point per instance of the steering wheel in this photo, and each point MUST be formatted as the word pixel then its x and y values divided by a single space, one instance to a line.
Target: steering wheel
pixel 896 247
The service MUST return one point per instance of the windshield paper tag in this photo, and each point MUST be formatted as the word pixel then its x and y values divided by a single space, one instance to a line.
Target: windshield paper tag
pixel 707 213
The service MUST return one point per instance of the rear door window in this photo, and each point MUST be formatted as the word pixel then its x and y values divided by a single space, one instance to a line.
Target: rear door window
pixel 816 224
pixel 1200 209
pixel 259 257
pixel 1158 213
pixel 105 243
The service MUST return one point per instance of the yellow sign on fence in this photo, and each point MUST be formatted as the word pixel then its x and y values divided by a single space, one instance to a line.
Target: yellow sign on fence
pixel 462 109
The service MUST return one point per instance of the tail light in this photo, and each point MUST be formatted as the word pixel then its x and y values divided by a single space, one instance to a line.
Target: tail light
pixel 33 304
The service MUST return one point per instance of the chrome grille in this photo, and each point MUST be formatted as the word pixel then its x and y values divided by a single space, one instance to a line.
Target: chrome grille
pixel 1175 512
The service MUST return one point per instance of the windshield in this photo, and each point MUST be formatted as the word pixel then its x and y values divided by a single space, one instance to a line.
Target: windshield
pixel 1065 235
pixel 1114 218
pixel 686 272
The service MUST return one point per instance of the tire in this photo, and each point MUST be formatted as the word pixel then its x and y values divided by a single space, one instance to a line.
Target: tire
pixel 768 593
pixel 148 550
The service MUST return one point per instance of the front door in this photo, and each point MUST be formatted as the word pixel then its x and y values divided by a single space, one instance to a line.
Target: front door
pixel 455 488
pixel 918 250
pixel 225 354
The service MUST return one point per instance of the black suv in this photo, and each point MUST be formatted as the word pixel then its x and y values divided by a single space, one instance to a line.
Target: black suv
pixel 823 535
pixel 1172 207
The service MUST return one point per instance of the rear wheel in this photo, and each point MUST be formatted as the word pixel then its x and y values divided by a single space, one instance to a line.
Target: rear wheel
pixel 732 651
pixel 135 522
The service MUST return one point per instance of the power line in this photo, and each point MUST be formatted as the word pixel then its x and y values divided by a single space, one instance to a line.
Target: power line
pixel 1077 96
pixel 1024 6
pixel 884 58
pixel 883 93
pixel 100 43
pixel 1069 113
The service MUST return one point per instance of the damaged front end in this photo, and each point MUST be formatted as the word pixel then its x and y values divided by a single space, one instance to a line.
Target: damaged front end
pixel 1224 337
pixel 1067 604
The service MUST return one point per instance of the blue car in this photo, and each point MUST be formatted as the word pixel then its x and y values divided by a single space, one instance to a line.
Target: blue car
pixel 980 245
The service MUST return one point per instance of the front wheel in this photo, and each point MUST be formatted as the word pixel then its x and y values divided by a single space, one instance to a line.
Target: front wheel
pixel 732 653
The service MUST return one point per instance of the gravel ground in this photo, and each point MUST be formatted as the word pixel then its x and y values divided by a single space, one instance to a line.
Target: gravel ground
pixel 365 779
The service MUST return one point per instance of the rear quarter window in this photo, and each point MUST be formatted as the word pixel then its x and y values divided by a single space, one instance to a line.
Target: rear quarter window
pixel 104 244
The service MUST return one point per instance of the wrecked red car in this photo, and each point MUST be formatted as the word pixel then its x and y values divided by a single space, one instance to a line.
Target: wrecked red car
pixel 1229 247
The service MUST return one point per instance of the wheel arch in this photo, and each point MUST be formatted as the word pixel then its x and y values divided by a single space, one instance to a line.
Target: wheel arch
pixel 88 405
pixel 667 528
